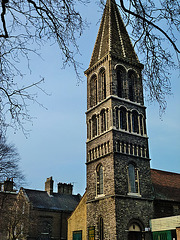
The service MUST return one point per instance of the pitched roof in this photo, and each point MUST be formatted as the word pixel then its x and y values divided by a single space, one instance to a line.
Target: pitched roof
pixel 56 202
pixel 113 37
pixel 166 185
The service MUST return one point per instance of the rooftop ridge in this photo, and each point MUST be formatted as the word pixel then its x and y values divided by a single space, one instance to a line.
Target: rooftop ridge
pixel 159 170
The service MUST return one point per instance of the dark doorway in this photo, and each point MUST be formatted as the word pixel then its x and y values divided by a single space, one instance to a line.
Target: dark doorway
pixel 135 236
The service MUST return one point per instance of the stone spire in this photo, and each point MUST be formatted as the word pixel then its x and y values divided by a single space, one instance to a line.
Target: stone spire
pixel 113 37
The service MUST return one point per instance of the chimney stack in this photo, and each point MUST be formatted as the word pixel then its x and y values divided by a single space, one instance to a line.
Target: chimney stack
pixel 64 188
pixel 49 185
pixel 8 185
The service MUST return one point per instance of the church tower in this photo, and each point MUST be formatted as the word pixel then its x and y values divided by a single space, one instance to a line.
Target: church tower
pixel 119 188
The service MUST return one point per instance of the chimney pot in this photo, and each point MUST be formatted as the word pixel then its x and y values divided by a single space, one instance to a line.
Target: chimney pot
pixel 49 185
pixel 8 185
pixel 65 188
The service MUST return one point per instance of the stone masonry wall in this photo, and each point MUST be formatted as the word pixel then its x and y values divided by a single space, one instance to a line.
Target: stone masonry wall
pixel 104 208
pixel 121 162
pixel 132 210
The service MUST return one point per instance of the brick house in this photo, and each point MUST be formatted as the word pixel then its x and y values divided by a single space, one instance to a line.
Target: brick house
pixel 166 193
pixel 34 214
pixel 7 198
pixel 50 209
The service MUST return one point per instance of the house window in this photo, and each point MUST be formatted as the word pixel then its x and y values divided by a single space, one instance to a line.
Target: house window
pixel 46 226
pixel 99 182
pixel 77 235
pixel 101 229
pixel 133 179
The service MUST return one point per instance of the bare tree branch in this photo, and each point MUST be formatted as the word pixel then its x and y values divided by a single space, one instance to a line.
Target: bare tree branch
pixel 149 22
pixel 9 162
pixel 3 4
pixel 32 23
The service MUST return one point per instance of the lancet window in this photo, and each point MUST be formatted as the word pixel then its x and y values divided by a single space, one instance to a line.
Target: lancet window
pixel 121 77
pixel 93 91
pixel 99 182
pixel 123 120
pixel 101 229
pixel 103 120
pixel 102 84
pixel 132 80
pixel 94 126
pixel 133 179
pixel 135 123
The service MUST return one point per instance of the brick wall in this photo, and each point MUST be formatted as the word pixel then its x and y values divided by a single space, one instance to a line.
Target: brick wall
pixel 77 221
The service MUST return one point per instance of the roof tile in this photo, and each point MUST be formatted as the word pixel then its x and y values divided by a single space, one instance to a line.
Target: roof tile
pixel 55 202
pixel 166 185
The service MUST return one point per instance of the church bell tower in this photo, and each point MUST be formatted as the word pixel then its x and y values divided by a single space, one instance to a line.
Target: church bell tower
pixel 119 188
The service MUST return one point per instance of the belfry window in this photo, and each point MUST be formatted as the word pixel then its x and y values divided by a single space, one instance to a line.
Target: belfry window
pixel 123 120
pixel 133 179
pixel 117 118
pixel 93 91
pixel 135 126
pixel 144 121
pixel 141 125
pixel 103 120
pixel 94 126
pixel 99 181
pixel 132 79
pixel 121 77
pixel 102 85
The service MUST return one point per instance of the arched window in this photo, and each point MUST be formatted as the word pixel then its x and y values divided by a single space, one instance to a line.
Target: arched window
pixel 117 118
pixel 101 229
pixel 103 120
pixel 131 172
pixel 90 129
pixel 123 120
pixel 99 182
pixel 132 79
pixel 93 91
pixel 102 85
pixel 94 126
pixel 133 179
pixel 144 126
pixel 121 76
pixel 135 126
pixel 141 125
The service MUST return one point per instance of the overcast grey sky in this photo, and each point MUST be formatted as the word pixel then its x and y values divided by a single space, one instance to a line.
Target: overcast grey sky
pixel 56 145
